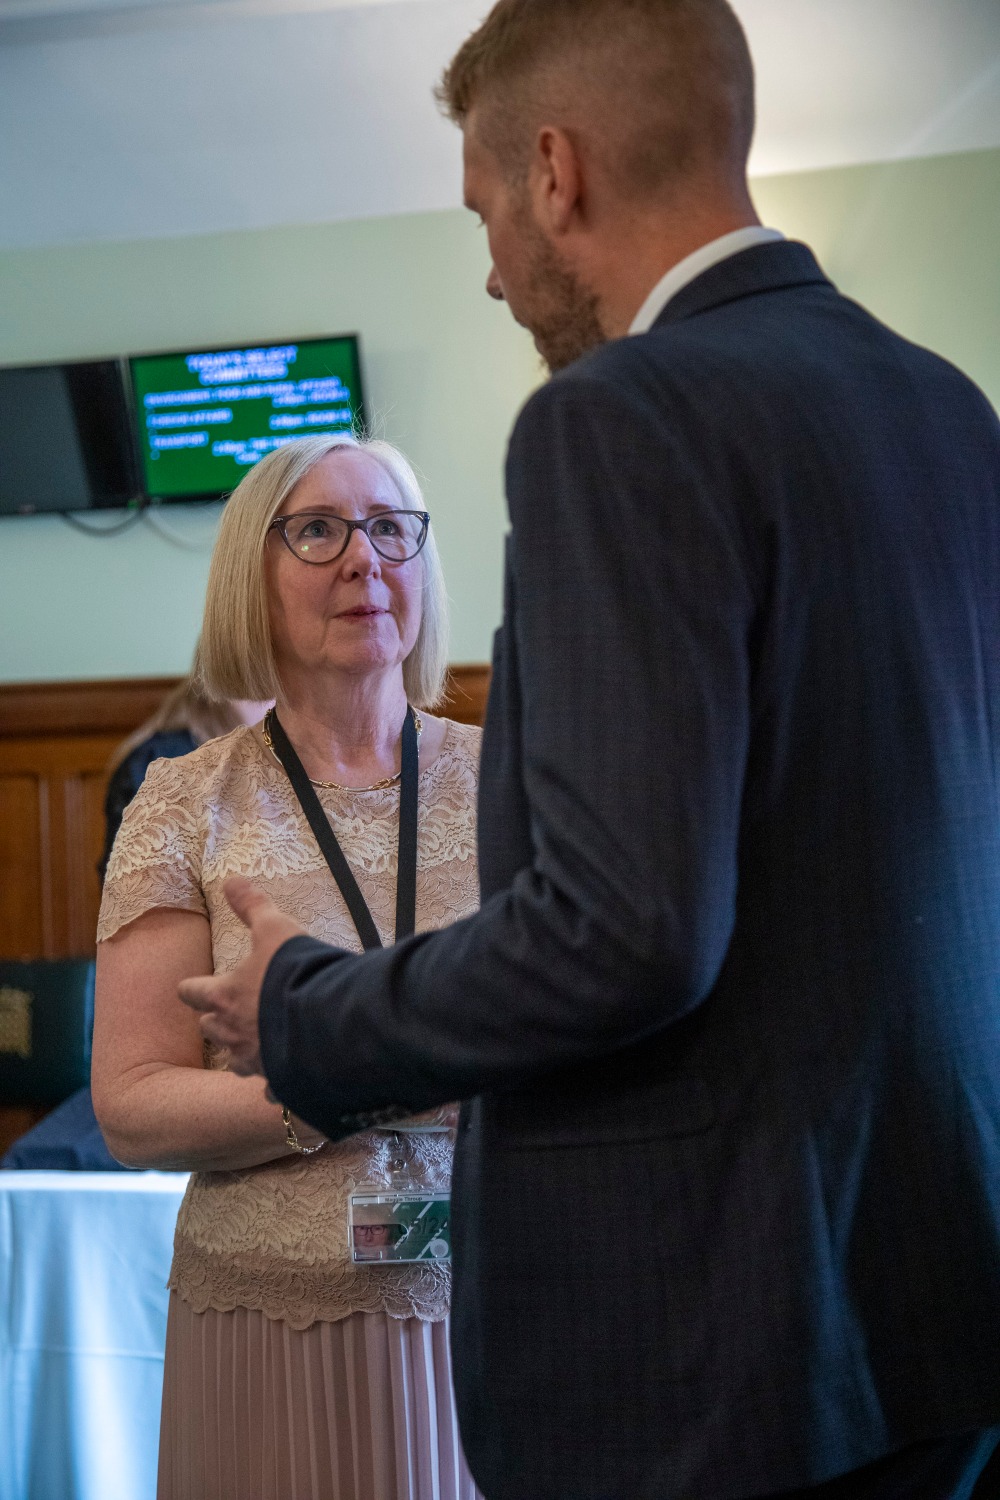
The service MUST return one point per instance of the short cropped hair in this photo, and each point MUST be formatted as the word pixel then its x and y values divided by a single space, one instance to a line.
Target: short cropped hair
pixel 235 656
pixel 680 71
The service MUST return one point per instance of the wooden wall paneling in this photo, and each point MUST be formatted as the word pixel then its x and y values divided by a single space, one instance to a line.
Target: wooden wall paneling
pixel 71 708
pixel 466 692
pixel 89 845
pixel 52 836
pixel 83 795
pixel 46 862
pixel 25 918
pixel 116 707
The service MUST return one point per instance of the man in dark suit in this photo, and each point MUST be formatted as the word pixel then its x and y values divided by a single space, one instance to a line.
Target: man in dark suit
pixel 727 1186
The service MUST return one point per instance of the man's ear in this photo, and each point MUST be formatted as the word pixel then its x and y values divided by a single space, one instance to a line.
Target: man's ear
pixel 556 180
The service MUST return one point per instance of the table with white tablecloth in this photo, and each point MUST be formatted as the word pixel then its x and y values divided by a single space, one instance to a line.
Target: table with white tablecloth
pixel 84 1258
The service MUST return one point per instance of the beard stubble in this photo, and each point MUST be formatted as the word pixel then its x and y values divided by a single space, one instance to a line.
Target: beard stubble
pixel 563 316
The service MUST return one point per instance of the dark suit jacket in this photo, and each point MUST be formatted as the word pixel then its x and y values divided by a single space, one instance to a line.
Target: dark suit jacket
pixel 727 1198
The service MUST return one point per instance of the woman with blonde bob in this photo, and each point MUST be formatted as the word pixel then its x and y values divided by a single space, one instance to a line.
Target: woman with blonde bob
pixel 291 1367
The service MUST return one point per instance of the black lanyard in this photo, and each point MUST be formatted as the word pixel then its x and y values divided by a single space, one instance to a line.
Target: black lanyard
pixel 406 868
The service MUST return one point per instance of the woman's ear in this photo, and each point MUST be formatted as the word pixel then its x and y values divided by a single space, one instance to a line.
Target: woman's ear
pixel 555 180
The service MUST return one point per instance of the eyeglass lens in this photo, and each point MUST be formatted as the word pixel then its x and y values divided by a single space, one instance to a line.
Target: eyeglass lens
pixel 396 535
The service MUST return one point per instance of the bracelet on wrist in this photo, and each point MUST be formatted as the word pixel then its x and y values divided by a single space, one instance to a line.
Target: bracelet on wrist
pixel 291 1139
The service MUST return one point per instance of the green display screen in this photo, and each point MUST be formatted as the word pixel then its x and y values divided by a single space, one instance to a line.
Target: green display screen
pixel 204 418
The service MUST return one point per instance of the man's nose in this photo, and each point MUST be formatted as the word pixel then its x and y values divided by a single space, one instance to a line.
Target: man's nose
pixel 494 286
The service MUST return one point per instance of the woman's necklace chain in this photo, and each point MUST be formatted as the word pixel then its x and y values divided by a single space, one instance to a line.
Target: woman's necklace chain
pixel 335 786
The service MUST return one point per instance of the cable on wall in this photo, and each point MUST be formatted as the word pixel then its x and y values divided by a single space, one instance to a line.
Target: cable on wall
pixel 155 523
pixel 115 530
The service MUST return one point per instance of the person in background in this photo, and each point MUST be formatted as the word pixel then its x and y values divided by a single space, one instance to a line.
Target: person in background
pixel 290 1369
pixel 68 1138
pixel 185 719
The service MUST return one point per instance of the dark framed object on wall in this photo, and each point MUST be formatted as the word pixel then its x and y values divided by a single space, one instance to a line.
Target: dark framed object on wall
pixel 66 439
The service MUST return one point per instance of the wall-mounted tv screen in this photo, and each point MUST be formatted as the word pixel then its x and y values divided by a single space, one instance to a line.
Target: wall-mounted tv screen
pixel 65 438
pixel 203 417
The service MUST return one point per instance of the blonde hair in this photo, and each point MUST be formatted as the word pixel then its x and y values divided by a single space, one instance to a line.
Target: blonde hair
pixel 184 707
pixel 235 657
pixel 682 67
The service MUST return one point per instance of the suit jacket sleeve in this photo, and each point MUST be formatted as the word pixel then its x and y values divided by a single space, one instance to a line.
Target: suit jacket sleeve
pixel 630 609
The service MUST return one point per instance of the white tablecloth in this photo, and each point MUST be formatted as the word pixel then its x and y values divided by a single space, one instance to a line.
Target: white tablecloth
pixel 84 1258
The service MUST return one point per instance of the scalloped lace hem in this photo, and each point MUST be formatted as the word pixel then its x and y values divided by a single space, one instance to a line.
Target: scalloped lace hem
pixel 300 1299
pixel 302 1319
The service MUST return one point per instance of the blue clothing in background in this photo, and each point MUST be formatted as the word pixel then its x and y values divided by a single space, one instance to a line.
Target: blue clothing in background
pixel 67 1140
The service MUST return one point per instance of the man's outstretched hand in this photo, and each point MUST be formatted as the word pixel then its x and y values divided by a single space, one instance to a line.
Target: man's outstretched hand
pixel 228 1004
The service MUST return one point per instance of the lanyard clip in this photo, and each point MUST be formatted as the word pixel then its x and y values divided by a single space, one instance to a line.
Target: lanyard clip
pixel 400 1162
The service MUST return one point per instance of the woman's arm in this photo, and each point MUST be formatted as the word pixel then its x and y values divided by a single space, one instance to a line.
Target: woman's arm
pixel 157 1104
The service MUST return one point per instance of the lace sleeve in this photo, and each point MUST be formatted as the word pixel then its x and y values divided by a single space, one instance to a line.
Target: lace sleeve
pixel 156 859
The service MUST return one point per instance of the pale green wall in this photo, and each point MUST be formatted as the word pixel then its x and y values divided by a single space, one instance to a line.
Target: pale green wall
pixel 918 242
pixel 446 369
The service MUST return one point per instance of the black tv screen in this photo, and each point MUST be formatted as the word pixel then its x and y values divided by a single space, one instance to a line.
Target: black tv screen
pixel 203 417
pixel 65 438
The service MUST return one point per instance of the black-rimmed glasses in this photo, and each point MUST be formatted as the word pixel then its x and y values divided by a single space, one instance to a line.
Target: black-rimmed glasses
pixel 318 537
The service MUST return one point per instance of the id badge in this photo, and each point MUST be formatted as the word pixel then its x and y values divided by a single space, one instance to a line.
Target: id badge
pixel 394 1226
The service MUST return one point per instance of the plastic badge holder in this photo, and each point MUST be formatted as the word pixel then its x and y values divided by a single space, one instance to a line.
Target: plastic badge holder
pixel 390 1227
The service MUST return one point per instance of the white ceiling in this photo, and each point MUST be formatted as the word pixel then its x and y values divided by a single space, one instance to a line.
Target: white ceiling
pixel 124 119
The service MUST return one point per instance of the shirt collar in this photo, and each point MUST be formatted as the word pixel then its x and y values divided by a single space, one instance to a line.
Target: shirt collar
pixel 694 265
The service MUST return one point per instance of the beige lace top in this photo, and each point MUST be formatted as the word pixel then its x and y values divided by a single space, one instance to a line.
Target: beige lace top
pixel 274 1237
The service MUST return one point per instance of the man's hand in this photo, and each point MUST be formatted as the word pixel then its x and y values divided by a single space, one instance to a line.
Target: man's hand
pixel 228 1004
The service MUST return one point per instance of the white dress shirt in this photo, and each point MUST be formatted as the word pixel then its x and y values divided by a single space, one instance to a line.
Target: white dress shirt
pixel 693 265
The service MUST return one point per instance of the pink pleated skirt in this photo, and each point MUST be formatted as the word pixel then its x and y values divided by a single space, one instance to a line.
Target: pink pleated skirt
pixel 362 1409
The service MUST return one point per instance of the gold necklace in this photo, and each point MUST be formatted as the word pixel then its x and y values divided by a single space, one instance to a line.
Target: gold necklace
pixel 335 786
